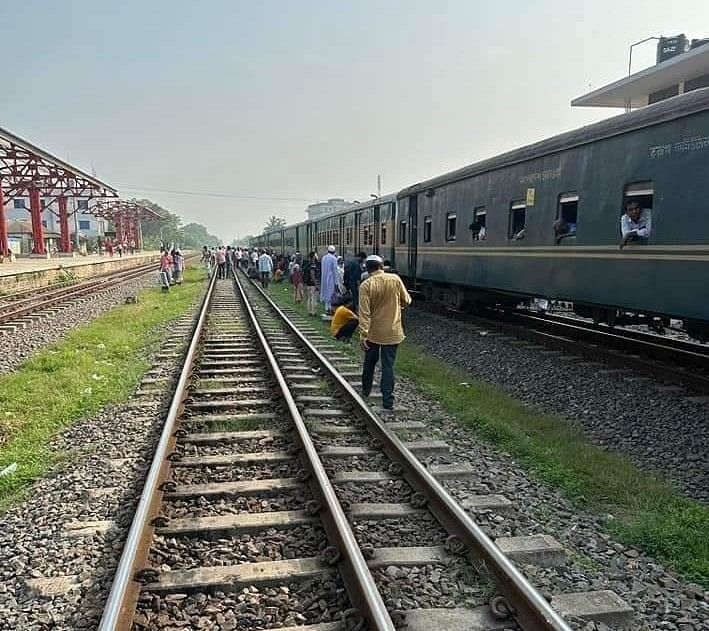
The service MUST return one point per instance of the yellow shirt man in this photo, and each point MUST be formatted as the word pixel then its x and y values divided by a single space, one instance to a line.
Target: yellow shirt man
pixel 382 296
pixel 381 299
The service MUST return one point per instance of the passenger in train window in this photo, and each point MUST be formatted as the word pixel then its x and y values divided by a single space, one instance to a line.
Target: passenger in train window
pixel 563 229
pixel 635 224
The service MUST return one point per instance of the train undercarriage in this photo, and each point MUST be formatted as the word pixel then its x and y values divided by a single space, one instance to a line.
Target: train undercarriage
pixel 473 300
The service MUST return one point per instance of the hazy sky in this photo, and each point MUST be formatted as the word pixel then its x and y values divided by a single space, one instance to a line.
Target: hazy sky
pixel 304 99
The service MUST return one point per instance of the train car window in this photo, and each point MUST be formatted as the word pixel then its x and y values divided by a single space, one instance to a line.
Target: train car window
pixel 642 192
pixel 566 216
pixel 479 226
pixel 636 213
pixel 427 226
pixel 518 215
pixel 451 220
pixel 402 232
pixel 384 234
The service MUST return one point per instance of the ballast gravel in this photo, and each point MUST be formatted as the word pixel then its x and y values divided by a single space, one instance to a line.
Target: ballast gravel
pixel 106 461
pixel 595 561
pixel 661 600
pixel 22 343
pixel 658 428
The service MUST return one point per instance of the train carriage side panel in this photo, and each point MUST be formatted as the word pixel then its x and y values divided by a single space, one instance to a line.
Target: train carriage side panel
pixel 669 275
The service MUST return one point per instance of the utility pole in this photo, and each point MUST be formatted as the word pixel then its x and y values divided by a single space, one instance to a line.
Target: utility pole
pixel 379 185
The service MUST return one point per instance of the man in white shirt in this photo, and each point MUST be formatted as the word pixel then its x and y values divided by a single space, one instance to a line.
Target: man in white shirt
pixel 265 267
pixel 635 224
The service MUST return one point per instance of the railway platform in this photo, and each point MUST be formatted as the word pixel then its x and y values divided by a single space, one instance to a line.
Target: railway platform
pixel 29 273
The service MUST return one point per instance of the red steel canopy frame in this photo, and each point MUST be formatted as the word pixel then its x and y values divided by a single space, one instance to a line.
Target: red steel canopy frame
pixel 126 216
pixel 27 170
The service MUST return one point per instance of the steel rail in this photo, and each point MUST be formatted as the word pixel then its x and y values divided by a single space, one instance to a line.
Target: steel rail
pixel 75 292
pixel 358 579
pixel 24 295
pixel 529 607
pixel 658 345
pixel 636 358
pixel 120 605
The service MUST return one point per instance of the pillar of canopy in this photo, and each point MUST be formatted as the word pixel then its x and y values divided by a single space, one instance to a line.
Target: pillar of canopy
pixel 28 171
pixel 126 216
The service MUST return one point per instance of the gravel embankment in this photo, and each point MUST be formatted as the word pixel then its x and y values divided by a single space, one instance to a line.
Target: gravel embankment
pixel 22 343
pixel 658 428
pixel 594 560
pixel 659 598
pixel 107 459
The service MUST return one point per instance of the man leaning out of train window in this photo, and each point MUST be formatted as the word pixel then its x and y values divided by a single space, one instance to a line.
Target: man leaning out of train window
pixel 635 224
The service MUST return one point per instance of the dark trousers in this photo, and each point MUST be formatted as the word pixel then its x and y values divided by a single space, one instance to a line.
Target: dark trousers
pixel 221 270
pixel 346 330
pixel 354 290
pixel 371 358
pixel 265 277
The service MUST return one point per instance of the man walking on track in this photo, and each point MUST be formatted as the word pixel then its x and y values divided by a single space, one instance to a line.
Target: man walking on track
pixel 382 296
pixel 328 277
pixel 265 267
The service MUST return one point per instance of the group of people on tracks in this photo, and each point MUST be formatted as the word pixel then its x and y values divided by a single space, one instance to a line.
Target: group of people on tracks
pixel 364 295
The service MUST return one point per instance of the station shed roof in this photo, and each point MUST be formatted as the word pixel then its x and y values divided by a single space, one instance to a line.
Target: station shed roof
pixel 24 165
pixel 636 90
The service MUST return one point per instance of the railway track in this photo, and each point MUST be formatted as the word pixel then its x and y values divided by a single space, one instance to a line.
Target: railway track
pixel 278 497
pixel 28 308
pixel 665 358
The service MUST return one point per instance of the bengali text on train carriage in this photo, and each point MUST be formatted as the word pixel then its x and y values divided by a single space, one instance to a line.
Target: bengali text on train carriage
pixel 681 146
pixel 541 176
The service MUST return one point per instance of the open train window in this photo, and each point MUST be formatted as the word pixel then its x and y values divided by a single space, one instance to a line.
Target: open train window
pixel 641 192
pixel 518 215
pixel 566 216
pixel 479 226
pixel 451 219
pixel 402 231
pixel 384 233
pixel 427 228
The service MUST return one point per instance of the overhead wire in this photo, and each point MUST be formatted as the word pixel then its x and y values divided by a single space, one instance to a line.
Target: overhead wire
pixel 146 189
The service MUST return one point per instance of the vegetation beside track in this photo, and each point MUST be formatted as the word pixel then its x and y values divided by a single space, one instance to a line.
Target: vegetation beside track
pixel 637 507
pixel 95 365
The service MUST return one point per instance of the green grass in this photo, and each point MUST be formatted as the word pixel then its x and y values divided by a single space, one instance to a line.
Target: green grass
pixel 93 366
pixel 639 508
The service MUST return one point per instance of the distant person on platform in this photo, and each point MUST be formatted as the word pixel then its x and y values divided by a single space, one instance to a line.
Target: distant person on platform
pixel 265 268
pixel 381 298
pixel 635 224
pixel 353 276
pixel 328 278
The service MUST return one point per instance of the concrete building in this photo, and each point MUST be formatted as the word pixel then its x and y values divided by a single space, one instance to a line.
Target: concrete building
pixel 681 67
pixel 327 208
pixel 90 227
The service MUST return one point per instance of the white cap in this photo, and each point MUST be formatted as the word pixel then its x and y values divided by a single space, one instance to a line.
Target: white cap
pixel 330 248
pixel 374 258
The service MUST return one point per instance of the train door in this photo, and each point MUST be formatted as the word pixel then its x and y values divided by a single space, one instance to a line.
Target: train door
pixel 376 229
pixel 309 239
pixel 341 236
pixel 357 230
pixel 413 237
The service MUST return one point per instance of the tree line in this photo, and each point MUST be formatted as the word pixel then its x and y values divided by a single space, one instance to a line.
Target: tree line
pixel 169 229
